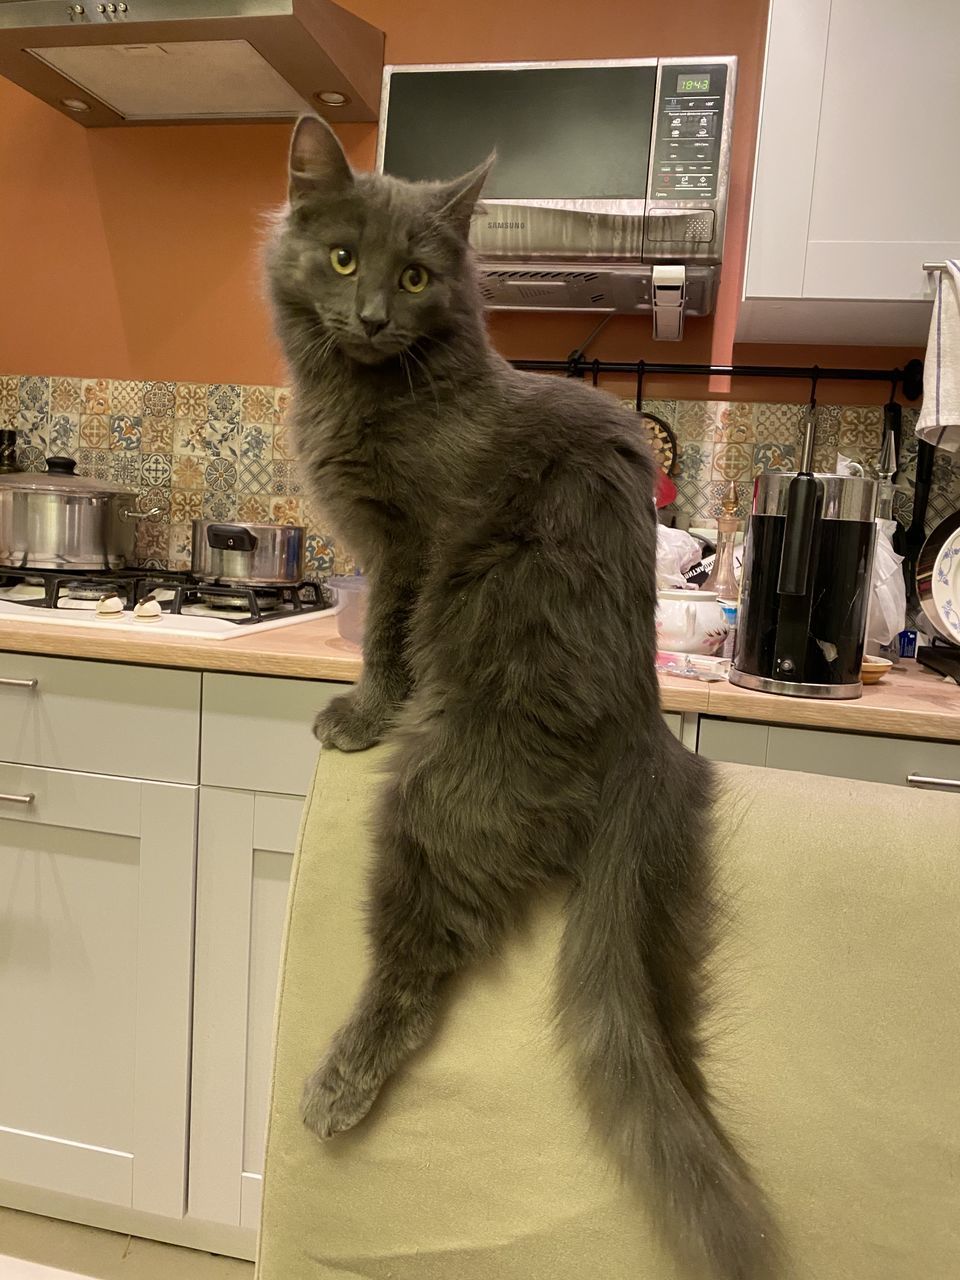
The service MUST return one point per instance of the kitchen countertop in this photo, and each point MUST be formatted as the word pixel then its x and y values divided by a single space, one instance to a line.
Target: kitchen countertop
pixel 910 702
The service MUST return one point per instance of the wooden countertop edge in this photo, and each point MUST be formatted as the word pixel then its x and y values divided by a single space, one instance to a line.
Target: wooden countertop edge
pixel 267 655
pixel 219 655
pixel 853 715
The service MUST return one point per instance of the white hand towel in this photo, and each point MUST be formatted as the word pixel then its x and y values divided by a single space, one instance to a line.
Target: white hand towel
pixel 939 421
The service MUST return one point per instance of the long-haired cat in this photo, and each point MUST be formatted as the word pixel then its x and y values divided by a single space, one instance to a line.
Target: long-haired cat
pixel 507 525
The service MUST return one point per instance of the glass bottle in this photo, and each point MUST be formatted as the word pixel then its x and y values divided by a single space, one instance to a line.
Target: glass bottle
pixel 8 451
pixel 723 577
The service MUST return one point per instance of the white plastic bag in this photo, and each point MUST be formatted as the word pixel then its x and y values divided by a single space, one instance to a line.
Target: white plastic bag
pixel 886 616
pixel 676 552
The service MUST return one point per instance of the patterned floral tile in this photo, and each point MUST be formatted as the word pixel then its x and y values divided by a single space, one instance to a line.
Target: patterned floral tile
pixel 286 479
pixel 9 399
pixel 223 402
pixel 190 436
pixel 159 399
pixel 258 405
pixel 695 420
pixel 65 395
pixel 35 395
pixel 152 539
pixel 94 431
pixel 777 423
pixel 33 430
pixel 284 401
pixel 219 505
pixel 125 433
pixel 732 461
pixel 125 468
pixel 190 400
pixel 156 435
pixel 319 556
pixel 255 477
pixel 283 444
pixel 155 469
pixel 774 457
pixel 224 451
pixel 95 396
pixel 286 511
pixel 223 439
pixel 221 475
pixel 30 457
pixel 157 500
pixel 180 541
pixel 63 435
pixel 736 423
pixel 126 398
pixel 186 505
pixel 254 507
pixel 256 442
pixel 188 471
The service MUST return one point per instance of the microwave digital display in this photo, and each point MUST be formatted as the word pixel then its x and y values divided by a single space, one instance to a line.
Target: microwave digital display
pixel 693 84
pixel 559 132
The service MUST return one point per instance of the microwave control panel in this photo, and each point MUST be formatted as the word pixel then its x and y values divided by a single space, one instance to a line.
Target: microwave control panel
pixel 689 131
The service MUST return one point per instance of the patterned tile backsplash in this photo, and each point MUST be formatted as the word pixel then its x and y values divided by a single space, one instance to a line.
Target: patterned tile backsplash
pixel 222 451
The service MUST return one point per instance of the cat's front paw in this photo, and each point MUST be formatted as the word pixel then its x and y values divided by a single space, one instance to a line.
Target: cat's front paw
pixel 350 724
pixel 333 1100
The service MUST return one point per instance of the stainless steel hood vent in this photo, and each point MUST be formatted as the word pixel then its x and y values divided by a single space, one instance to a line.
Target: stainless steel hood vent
pixel 168 61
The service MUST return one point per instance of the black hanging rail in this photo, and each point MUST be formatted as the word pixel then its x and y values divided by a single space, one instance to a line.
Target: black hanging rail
pixel 909 378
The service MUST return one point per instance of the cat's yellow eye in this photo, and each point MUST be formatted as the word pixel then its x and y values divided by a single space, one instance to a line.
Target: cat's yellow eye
pixel 414 278
pixel 343 261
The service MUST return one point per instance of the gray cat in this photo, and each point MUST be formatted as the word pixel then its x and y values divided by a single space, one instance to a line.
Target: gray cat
pixel 506 522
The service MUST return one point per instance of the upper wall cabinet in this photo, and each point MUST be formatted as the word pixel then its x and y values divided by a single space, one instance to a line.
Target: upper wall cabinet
pixel 857 184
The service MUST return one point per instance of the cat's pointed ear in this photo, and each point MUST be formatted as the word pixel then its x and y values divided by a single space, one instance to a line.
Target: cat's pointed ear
pixel 458 199
pixel 317 162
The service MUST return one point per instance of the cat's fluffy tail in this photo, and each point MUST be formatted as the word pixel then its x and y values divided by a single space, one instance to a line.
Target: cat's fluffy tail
pixel 630 1000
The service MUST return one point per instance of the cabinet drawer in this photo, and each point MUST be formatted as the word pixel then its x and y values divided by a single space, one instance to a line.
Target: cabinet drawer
pixel 257 732
pixel 100 717
pixel 839 755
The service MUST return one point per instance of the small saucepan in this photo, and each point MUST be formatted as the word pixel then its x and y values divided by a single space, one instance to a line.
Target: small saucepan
pixel 254 555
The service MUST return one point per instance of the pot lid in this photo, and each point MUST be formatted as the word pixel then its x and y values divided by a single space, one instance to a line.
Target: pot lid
pixel 59 477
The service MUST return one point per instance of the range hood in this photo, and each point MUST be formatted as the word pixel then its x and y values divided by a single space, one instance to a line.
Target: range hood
pixel 130 62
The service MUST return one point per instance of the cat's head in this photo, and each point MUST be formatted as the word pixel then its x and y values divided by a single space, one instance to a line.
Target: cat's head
pixel 369 263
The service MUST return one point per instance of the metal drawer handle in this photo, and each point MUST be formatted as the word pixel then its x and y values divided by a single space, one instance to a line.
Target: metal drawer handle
pixel 943 784
pixel 27 799
pixel 17 684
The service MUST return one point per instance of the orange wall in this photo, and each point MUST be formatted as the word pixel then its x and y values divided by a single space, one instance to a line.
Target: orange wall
pixel 133 253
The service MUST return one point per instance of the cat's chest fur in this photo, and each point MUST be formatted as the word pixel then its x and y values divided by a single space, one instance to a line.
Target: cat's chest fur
pixel 378 470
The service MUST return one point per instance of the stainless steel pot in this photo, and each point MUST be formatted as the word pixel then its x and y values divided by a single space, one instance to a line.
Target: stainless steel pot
pixel 256 555
pixel 54 519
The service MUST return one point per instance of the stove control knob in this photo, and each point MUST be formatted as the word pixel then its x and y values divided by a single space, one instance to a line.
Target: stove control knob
pixel 148 609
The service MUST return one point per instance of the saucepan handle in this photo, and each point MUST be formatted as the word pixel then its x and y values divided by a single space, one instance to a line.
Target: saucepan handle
pixel 231 537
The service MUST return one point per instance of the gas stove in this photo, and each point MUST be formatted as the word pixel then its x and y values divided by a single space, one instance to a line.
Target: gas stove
pixel 188 606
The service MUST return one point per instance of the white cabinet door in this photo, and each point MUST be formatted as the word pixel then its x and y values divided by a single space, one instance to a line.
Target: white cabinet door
pixel 900 761
pixel 886 190
pixel 96 921
pixel 245 858
pixel 855 187
pixel 258 731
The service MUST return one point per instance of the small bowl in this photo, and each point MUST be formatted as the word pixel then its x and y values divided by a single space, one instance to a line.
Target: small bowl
pixel 873 669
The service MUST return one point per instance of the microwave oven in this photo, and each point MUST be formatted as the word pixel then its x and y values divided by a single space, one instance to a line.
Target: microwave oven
pixel 609 190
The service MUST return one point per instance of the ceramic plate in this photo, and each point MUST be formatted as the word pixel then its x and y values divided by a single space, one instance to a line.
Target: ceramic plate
pixel 945 585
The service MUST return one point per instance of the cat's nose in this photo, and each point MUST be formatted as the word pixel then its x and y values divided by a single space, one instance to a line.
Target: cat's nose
pixel 373 322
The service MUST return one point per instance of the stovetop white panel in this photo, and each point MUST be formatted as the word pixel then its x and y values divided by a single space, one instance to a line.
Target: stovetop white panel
pixel 195 627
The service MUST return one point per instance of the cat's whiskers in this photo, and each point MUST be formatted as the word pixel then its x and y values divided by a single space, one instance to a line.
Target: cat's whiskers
pixel 427 374
pixel 406 369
